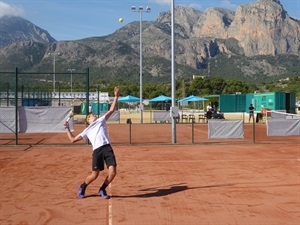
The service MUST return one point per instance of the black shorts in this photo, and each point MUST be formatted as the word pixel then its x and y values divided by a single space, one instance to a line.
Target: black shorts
pixel 103 154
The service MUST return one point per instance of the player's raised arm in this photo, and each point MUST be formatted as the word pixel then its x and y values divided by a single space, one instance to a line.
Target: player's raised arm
pixel 114 103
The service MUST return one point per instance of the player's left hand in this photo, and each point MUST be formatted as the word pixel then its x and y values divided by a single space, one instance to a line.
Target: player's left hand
pixel 116 91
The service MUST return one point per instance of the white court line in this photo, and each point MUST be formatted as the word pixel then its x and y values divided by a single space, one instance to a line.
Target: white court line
pixel 207 160
pixel 110 222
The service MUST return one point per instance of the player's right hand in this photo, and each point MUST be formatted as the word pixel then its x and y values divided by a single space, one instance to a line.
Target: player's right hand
pixel 66 124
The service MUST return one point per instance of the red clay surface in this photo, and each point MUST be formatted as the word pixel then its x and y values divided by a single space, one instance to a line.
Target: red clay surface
pixel 213 182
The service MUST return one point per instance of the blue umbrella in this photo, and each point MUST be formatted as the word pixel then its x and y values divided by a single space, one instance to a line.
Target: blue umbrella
pixel 161 98
pixel 129 98
pixel 192 98
pixel 184 99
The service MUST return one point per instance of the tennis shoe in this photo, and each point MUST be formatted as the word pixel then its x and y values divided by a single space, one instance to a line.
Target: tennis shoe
pixel 103 194
pixel 80 193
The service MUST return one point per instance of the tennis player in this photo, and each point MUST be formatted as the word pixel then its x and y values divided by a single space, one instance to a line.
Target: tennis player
pixel 97 134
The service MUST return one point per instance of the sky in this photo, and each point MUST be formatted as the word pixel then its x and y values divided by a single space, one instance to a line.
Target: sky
pixel 77 19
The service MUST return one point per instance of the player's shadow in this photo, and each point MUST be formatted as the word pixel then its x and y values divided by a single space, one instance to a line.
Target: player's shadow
pixel 160 192
pixel 156 192
pixel 151 192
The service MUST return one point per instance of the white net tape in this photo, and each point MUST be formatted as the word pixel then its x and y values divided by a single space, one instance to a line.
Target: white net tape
pixel 283 115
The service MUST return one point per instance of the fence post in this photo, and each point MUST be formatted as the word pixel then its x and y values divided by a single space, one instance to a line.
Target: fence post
pixel 87 91
pixel 129 122
pixel 7 94
pixel 129 133
pixel 98 101
pixel 59 102
pixel 193 121
pixel 87 86
pixel 16 106
pixel 253 129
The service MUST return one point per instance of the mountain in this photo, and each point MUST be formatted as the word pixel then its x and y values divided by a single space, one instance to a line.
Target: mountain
pixel 258 41
pixel 265 28
pixel 15 29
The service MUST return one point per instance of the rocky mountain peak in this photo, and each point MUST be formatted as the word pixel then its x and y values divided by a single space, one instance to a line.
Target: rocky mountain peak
pixel 203 41
pixel 15 29
pixel 264 28
pixel 268 1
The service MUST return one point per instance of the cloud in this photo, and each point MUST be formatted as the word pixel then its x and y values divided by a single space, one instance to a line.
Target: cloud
pixel 227 4
pixel 9 10
pixel 195 5
pixel 160 2
pixel 168 2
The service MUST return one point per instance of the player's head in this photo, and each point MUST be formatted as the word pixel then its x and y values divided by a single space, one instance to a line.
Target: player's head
pixel 90 118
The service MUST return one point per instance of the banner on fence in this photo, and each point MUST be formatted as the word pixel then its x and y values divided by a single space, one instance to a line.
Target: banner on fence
pixel 225 129
pixel 7 120
pixel 283 127
pixel 35 119
pixel 161 116
pixel 43 119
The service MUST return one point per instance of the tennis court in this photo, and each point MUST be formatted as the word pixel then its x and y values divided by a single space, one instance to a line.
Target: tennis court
pixel 211 182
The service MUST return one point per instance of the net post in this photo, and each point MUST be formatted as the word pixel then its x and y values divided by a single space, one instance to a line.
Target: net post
pixel 16 106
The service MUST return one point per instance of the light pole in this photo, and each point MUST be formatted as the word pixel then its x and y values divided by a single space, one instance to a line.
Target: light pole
pixel 71 71
pixel 54 54
pixel 141 10
pixel 173 80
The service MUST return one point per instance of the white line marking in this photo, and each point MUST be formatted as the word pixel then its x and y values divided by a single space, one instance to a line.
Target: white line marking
pixel 207 160
pixel 110 207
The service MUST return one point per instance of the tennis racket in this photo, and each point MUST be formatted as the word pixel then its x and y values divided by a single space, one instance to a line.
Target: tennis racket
pixel 71 114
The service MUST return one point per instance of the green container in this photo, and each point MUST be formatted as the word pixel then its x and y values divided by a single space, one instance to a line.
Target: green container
pixel 250 100
pixel 84 110
pixel 240 103
pixel 270 100
pixel 232 103
pixel 99 107
pixel 103 107
pixel 291 102
pixel 227 103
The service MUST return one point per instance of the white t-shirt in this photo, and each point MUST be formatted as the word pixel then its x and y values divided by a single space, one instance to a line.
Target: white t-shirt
pixel 208 108
pixel 97 133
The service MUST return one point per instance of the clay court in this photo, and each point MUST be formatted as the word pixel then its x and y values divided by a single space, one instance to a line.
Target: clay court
pixel 214 182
